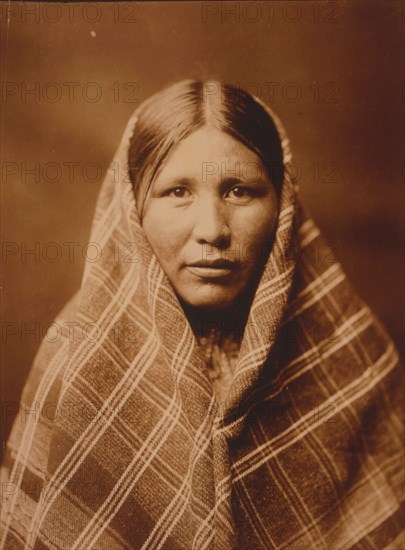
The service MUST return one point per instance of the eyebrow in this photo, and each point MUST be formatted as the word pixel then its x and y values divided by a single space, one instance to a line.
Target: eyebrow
pixel 245 181
pixel 226 182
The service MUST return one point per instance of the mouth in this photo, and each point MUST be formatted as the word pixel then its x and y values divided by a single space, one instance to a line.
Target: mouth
pixel 212 269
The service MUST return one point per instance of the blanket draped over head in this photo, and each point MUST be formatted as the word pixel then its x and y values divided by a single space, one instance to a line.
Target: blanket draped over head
pixel 120 441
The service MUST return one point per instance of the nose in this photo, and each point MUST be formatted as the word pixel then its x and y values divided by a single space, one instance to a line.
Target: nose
pixel 211 224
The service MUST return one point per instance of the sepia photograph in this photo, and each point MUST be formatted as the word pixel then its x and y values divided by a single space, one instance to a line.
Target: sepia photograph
pixel 202 275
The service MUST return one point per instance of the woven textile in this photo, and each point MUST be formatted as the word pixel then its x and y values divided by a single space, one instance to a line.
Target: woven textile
pixel 126 445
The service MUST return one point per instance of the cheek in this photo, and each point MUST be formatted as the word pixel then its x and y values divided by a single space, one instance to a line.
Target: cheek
pixel 255 228
pixel 164 235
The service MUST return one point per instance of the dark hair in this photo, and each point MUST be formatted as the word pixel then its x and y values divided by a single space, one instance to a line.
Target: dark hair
pixel 172 114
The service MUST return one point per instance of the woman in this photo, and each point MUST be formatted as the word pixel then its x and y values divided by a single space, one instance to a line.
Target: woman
pixel 230 390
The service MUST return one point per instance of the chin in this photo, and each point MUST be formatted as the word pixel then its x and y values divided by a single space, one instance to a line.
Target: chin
pixel 210 299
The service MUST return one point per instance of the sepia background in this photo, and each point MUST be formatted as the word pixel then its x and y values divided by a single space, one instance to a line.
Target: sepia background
pixel 73 73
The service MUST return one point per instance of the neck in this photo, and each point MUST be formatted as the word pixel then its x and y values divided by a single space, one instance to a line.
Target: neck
pixel 229 322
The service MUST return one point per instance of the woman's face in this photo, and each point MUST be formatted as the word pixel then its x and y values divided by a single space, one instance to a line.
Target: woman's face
pixel 210 217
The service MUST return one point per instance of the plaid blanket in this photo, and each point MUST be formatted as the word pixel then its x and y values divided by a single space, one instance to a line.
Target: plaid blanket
pixel 121 443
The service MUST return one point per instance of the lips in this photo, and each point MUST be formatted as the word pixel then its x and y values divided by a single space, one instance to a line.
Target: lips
pixel 212 269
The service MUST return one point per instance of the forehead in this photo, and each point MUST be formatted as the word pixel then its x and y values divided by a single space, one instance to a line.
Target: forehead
pixel 206 148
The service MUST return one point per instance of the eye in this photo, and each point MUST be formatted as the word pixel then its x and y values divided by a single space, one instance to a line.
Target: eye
pixel 180 192
pixel 241 193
